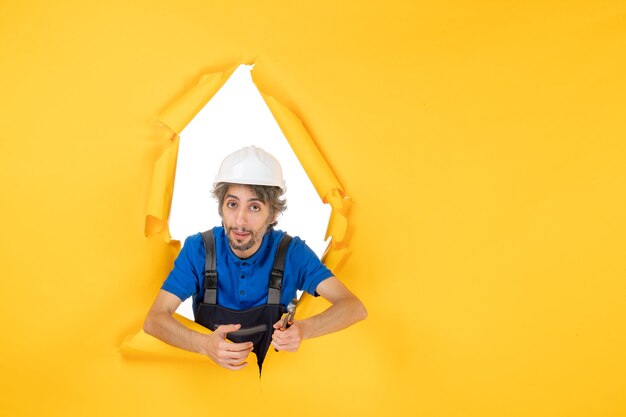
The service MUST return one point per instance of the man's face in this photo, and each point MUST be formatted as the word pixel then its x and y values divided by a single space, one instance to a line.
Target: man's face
pixel 246 219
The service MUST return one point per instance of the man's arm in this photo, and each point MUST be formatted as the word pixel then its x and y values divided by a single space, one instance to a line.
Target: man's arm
pixel 346 309
pixel 160 324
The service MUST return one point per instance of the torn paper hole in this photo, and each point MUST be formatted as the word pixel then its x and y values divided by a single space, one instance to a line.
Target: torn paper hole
pixel 235 117
pixel 328 189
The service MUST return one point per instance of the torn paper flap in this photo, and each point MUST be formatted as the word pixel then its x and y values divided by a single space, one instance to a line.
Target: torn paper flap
pixel 161 189
pixel 308 154
pixel 179 114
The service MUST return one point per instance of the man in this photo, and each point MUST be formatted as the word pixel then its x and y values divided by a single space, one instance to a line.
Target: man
pixel 235 274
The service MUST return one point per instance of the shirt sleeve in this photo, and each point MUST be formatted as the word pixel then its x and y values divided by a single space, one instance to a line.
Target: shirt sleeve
pixel 311 271
pixel 183 280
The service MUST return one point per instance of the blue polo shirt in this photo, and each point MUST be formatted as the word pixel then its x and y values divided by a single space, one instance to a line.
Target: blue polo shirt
pixel 243 283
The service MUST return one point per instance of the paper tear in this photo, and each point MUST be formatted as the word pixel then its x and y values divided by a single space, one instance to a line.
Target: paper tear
pixel 179 114
pixel 337 226
pixel 161 190
pixel 330 191
pixel 303 146
pixel 335 258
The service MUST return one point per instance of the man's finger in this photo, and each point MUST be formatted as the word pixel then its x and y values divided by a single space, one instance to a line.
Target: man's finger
pixel 239 365
pixel 281 334
pixel 224 329
pixel 239 347
pixel 279 346
pixel 235 357
pixel 234 366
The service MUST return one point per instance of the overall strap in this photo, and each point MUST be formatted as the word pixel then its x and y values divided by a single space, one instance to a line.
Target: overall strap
pixel 278 269
pixel 210 273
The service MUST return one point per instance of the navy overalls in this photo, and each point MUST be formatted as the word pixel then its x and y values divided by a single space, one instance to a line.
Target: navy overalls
pixel 257 322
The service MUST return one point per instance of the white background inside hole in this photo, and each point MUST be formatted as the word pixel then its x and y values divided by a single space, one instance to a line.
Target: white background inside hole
pixel 236 117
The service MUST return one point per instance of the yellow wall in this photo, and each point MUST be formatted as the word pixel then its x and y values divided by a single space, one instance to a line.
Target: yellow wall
pixel 482 143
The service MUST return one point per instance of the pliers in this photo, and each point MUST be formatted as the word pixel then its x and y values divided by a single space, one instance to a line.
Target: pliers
pixel 290 314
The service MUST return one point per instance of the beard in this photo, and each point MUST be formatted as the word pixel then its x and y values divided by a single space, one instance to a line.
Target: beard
pixel 254 237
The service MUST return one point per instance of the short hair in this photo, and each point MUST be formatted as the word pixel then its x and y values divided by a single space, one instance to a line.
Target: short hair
pixel 269 194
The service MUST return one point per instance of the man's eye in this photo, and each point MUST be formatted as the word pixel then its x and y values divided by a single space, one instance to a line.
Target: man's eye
pixel 231 204
pixel 255 208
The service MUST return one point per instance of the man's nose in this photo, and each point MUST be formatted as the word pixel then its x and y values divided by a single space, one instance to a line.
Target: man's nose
pixel 241 218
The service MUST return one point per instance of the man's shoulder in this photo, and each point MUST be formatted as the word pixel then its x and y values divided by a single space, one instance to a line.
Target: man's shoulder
pixel 193 240
pixel 196 238
pixel 297 248
pixel 278 234
pixel 194 244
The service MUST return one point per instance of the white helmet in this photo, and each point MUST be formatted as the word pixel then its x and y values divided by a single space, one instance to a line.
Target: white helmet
pixel 253 166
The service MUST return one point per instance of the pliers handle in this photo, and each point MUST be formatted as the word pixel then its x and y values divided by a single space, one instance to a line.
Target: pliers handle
pixel 290 314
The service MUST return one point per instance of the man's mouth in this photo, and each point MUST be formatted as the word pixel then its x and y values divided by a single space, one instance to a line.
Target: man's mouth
pixel 240 234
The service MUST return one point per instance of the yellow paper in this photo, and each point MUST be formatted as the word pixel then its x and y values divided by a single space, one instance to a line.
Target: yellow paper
pixel 179 114
pixel 480 143
pixel 162 189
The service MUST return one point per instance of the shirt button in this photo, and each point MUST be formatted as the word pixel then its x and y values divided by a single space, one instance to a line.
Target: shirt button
pixel 243 276
pixel 242 292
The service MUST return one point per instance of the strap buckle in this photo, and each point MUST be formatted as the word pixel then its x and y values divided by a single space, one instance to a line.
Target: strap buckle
pixel 276 278
pixel 210 280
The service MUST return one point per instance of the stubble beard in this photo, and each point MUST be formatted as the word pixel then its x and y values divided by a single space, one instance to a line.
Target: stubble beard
pixel 255 236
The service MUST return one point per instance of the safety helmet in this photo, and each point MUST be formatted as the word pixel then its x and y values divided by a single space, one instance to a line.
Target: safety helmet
pixel 252 166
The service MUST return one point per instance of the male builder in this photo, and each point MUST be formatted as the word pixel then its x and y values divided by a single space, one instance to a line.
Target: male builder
pixel 244 273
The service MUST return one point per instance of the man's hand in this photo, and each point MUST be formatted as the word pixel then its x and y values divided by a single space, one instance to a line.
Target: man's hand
pixel 346 309
pixel 224 353
pixel 288 339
